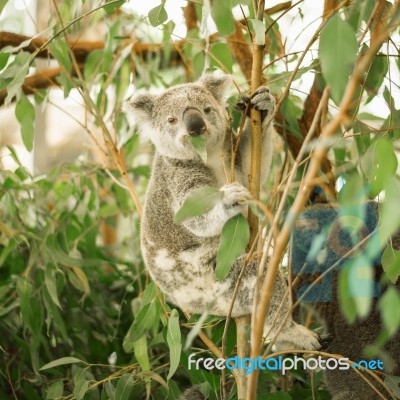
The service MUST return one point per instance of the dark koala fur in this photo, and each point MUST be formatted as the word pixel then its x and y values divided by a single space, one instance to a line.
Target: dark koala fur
pixel 350 340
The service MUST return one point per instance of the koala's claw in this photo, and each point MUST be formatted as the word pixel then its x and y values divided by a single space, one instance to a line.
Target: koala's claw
pixel 263 101
pixel 235 194
pixel 241 105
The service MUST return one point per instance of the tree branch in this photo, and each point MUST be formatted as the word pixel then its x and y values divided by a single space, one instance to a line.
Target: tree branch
pixel 82 48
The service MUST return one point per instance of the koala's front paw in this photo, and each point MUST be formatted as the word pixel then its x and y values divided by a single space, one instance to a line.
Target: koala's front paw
pixel 235 195
pixel 263 101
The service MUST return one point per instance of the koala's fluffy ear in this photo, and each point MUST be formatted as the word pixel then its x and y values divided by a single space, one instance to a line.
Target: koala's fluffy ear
pixel 139 109
pixel 216 85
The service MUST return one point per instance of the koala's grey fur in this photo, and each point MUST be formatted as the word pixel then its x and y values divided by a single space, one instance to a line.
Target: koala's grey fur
pixel 350 340
pixel 181 258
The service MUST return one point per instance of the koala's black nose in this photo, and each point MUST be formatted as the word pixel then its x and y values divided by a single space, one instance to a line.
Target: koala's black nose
pixel 194 122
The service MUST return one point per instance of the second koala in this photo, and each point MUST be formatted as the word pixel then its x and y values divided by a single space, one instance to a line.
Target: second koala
pixel 181 258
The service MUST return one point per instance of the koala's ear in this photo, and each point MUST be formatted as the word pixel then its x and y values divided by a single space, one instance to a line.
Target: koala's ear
pixel 216 85
pixel 139 109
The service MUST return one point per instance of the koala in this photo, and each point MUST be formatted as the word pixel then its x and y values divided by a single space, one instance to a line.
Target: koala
pixel 348 340
pixel 181 258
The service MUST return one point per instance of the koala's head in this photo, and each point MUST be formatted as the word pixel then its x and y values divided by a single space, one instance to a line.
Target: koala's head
pixel 194 109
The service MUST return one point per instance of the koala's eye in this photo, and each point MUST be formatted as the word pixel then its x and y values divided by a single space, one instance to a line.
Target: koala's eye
pixel 172 120
pixel 207 110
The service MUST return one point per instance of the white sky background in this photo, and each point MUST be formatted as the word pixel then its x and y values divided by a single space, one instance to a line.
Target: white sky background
pixel 296 32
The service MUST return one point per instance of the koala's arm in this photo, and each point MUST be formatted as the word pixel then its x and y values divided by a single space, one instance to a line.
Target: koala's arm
pixel 263 101
pixel 210 223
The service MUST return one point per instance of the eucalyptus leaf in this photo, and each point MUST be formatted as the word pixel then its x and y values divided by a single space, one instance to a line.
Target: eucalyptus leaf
pixel 234 239
pixel 61 361
pixel 80 389
pixel 221 12
pixel 140 348
pixel 391 263
pixel 199 144
pixel 158 15
pixel 389 306
pixel 198 202
pixel 3 56
pixel 142 323
pixel 174 342
pixel 390 210
pixel 60 52
pixel 51 285
pixel 2 4
pixel 376 74
pixel 337 51
pixel 124 387
pixel 347 304
pixel 379 164
pixel 55 390
pixel 25 113
pixel 393 382
pixel 259 31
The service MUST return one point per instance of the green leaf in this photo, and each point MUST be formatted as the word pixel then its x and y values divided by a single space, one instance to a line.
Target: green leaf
pixel 3 56
pixel 234 239
pixel 51 285
pixel 110 390
pixel 393 382
pixel 259 31
pixel 379 165
pixel 2 5
pixel 198 202
pixel 221 57
pixel 392 122
pixel 81 388
pixel 376 74
pixel 199 144
pixel 221 12
pixel 25 113
pixel 140 349
pixel 360 285
pixel 390 211
pixel 347 304
pixel 61 361
pixel 114 5
pixel 389 306
pixel 292 113
pixel 337 52
pixel 174 342
pixel 60 52
pixel 142 323
pixel 391 263
pixel 55 390
pixel 141 353
pixel 92 64
pixel 158 15
pixel 14 75
pixel 124 387
pixel 31 307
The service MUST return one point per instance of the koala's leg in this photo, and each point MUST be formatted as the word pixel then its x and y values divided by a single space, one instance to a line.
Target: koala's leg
pixel 291 335
pixel 263 101
pixel 192 393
